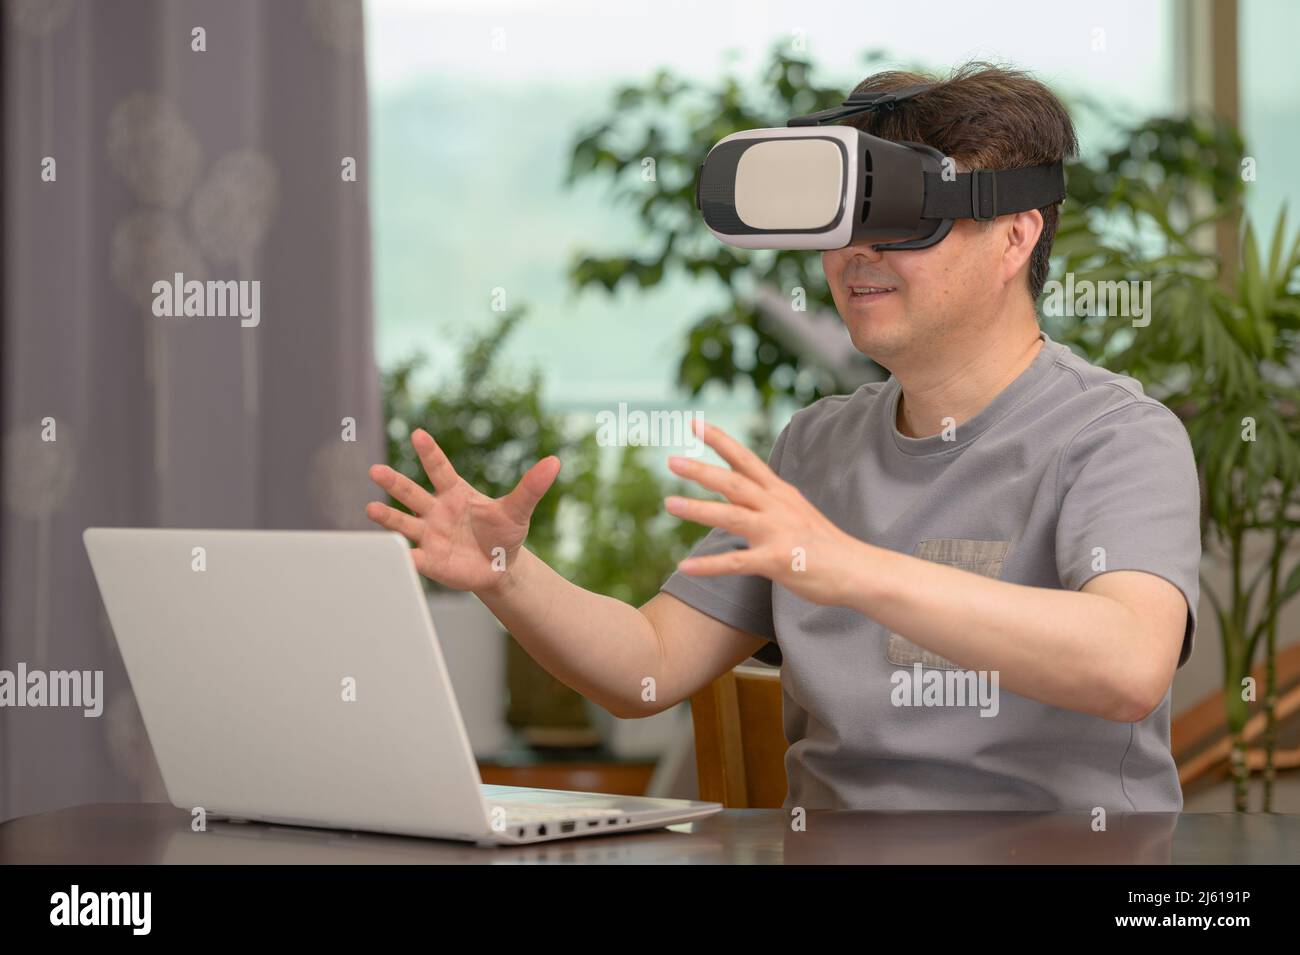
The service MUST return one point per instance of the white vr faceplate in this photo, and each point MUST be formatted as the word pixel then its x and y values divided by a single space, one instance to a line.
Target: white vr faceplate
pixel 794 178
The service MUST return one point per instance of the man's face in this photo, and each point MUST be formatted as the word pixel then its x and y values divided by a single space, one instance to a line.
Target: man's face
pixel 937 295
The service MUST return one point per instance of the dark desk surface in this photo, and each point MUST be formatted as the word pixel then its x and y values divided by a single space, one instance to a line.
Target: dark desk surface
pixel 149 833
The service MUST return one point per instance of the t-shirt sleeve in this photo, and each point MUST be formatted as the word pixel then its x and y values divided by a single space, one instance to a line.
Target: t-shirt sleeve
pixel 740 601
pixel 1130 500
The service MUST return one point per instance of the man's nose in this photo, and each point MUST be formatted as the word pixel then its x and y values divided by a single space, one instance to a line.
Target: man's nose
pixel 852 261
pixel 865 248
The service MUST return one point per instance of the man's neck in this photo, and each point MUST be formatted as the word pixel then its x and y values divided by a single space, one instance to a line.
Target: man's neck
pixel 961 381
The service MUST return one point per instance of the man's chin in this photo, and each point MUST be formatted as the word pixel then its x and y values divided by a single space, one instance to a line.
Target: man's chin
pixel 877 335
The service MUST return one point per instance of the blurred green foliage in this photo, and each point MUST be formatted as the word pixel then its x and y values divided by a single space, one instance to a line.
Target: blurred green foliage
pixel 602 525
pixel 676 122
pixel 492 425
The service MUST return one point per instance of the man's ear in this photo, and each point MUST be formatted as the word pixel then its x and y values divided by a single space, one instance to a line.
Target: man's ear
pixel 1023 230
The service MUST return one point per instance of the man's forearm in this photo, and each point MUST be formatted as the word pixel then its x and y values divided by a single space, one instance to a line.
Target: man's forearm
pixel 1071 649
pixel 599 646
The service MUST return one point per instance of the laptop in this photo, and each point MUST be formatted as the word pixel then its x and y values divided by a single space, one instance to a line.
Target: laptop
pixel 294 677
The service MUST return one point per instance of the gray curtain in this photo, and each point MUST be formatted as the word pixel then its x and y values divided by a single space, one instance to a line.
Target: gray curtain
pixel 129 156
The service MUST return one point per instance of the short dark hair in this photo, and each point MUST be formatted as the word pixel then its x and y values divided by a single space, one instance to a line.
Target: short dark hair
pixel 984 117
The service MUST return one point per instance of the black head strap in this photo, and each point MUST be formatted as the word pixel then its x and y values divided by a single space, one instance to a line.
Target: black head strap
pixel 989 193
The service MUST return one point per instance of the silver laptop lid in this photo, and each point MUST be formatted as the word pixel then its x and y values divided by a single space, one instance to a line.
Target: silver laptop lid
pixel 291 676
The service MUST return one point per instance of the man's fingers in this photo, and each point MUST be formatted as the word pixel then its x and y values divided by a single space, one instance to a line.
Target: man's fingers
pixel 402 488
pixel 718 565
pixel 727 517
pixel 441 474
pixel 537 480
pixel 394 520
pixel 743 460
pixel 732 485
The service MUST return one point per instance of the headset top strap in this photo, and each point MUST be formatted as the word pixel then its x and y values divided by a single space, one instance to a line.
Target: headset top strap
pixel 864 102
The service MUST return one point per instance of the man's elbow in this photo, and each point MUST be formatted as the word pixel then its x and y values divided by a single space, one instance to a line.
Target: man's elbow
pixel 1138 698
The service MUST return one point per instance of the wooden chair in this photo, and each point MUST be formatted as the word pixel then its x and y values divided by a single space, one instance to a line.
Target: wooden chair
pixel 740 740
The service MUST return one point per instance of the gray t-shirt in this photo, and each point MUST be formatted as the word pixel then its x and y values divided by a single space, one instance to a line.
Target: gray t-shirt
pixel 1069 472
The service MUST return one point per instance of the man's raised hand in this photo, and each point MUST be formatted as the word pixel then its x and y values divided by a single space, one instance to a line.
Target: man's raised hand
pixel 462 538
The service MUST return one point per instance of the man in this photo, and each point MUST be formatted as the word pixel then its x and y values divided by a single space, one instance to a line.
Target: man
pixel 981 573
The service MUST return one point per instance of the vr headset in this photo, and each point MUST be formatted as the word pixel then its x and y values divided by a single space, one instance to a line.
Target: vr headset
pixel 799 187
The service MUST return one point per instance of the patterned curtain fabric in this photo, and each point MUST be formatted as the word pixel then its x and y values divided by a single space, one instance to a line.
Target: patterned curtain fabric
pixel 224 141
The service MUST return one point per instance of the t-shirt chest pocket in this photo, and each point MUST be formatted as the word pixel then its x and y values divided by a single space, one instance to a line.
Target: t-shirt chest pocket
pixel 977 556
